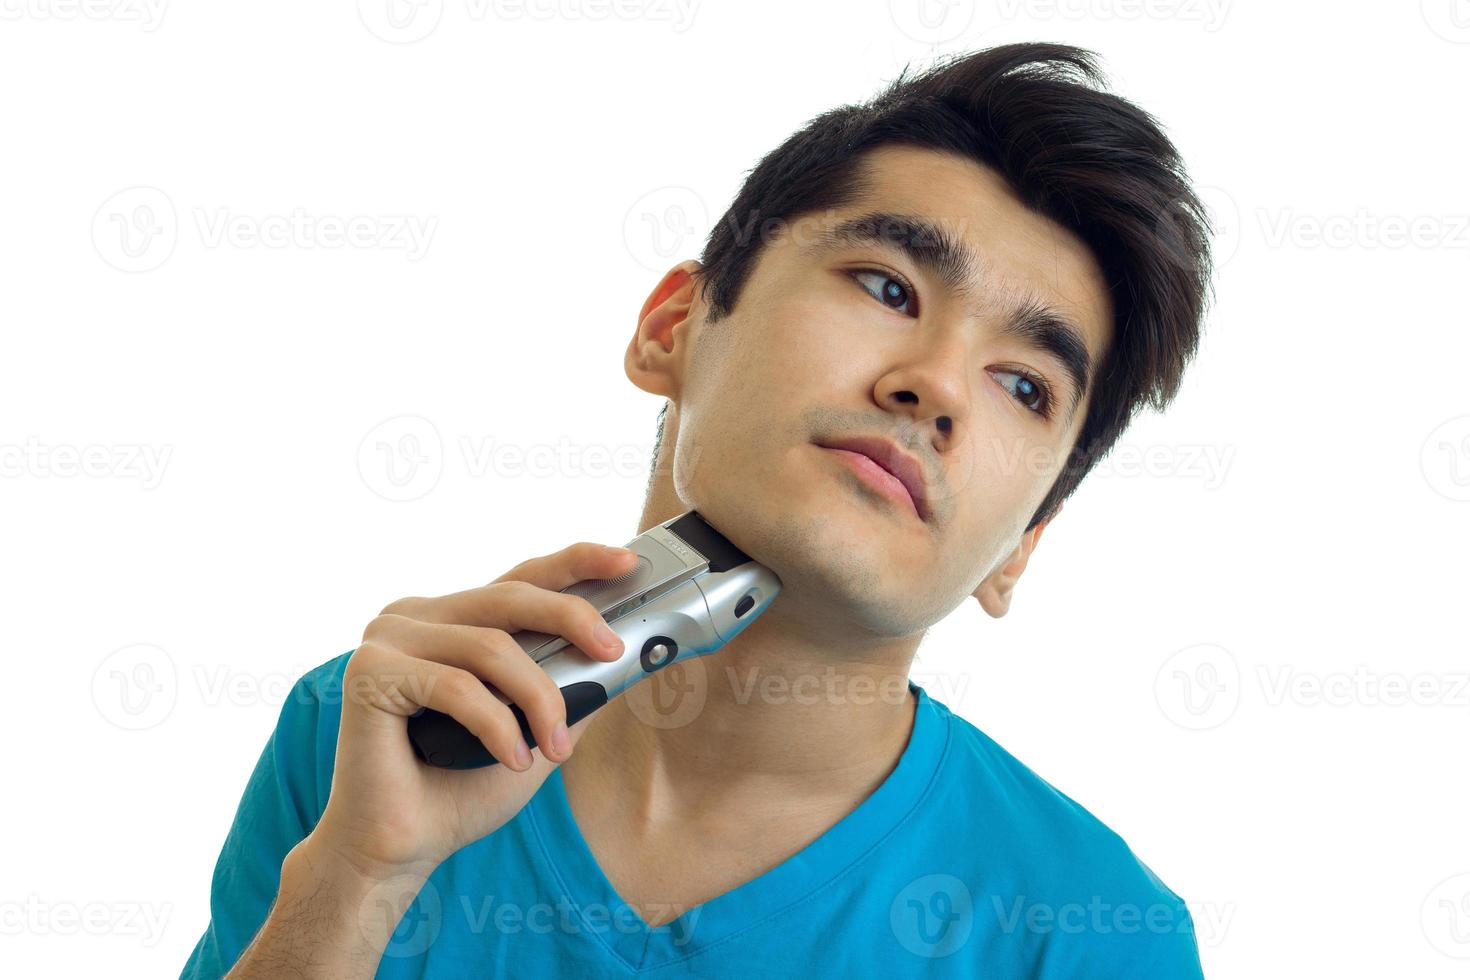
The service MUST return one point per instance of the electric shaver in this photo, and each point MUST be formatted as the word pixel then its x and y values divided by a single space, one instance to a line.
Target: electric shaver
pixel 690 592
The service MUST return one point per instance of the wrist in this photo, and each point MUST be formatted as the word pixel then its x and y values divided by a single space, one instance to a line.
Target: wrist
pixel 353 906
pixel 321 859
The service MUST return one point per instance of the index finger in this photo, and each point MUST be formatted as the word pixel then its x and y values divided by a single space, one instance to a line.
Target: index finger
pixel 572 564
pixel 553 572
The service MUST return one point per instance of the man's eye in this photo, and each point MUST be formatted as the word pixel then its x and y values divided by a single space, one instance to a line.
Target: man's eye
pixel 893 292
pixel 1030 391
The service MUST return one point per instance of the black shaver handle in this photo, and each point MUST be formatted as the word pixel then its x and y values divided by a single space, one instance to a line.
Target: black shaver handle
pixel 441 741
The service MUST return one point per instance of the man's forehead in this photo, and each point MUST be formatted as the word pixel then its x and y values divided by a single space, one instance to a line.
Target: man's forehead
pixel 1014 255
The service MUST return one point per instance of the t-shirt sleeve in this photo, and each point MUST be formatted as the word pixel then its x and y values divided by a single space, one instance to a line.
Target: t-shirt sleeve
pixel 283 800
pixel 1127 925
pixel 1174 951
pixel 1148 938
pixel 1126 941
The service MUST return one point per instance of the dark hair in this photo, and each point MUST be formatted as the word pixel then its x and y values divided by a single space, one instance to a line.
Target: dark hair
pixel 1090 160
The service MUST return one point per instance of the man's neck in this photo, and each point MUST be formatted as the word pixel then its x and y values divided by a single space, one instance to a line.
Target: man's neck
pixel 773 725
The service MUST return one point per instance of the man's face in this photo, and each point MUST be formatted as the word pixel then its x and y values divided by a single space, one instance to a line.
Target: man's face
pixel 848 338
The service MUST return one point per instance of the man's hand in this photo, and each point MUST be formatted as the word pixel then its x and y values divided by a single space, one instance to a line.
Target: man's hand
pixel 391 819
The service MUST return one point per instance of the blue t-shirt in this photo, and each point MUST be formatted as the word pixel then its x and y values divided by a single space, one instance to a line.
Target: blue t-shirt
pixel 962 863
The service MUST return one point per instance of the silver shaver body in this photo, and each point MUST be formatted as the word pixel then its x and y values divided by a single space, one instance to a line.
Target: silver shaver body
pixel 690 592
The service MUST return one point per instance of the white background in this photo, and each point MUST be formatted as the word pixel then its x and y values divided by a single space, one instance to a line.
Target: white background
pixel 1242 646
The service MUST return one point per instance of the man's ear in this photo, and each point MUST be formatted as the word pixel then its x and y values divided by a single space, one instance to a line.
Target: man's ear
pixel 655 355
pixel 994 593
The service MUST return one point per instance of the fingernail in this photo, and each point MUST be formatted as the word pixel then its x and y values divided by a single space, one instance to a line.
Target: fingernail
pixel 617 551
pixel 561 742
pixel 523 754
pixel 607 637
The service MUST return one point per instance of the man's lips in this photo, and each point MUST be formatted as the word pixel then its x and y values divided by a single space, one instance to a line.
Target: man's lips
pixel 885 467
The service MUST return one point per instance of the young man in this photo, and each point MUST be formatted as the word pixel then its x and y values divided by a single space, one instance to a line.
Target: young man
pixel 992 262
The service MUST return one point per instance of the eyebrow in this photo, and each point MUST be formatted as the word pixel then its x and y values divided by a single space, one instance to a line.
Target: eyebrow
pixel 953 263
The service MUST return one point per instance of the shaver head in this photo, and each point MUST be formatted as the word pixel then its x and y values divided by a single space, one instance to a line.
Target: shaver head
pixel 691 591
pixel 669 555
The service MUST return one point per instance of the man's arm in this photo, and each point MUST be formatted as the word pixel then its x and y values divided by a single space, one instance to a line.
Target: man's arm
pixel 281 803
pixel 340 774
pixel 330 919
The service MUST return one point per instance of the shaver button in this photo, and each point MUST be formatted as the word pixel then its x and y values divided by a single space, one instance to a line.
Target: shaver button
pixel 658 651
